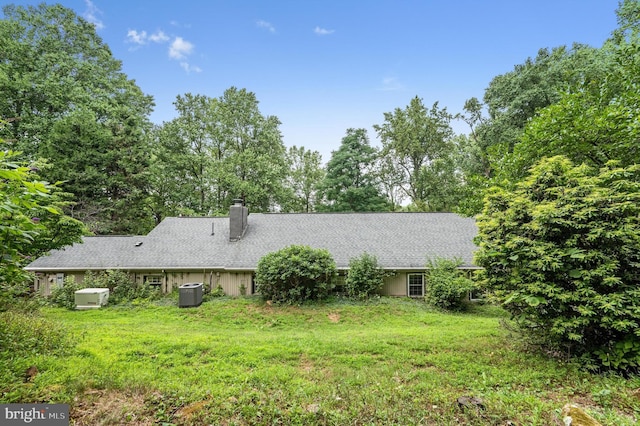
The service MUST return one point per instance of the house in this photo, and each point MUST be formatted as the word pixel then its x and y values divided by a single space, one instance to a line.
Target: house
pixel 224 251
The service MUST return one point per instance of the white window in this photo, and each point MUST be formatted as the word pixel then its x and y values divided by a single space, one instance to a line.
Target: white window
pixel 415 285
pixel 155 280
pixel 60 280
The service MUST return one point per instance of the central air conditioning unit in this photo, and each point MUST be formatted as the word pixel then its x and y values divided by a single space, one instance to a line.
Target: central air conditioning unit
pixel 91 298
pixel 190 294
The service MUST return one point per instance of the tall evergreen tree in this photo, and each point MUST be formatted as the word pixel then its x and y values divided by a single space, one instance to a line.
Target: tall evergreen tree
pixel 350 182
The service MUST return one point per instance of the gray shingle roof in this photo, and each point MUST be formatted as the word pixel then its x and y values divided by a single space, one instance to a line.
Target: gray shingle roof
pixel 398 240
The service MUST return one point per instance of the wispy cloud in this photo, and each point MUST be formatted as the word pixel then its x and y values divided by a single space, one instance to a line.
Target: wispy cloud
pixel 159 37
pixel 92 15
pixel 323 31
pixel 266 25
pixel 390 84
pixel 140 38
pixel 190 68
pixel 180 48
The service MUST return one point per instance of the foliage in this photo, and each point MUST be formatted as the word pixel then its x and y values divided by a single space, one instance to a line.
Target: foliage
pixel 64 296
pixel 365 277
pixel 418 142
pixel 594 122
pixel 295 274
pixel 24 334
pixel 121 288
pixel 350 183
pixel 30 221
pixel 216 150
pixel 305 176
pixel 67 100
pixel 446 286
pixel 561 252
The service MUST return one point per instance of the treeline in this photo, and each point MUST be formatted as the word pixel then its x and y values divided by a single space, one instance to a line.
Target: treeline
pixel 67 106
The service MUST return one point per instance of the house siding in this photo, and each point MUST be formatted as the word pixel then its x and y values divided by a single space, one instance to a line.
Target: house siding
pixel 395 285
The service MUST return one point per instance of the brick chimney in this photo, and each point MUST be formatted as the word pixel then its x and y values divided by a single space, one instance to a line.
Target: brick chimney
pixel 238 215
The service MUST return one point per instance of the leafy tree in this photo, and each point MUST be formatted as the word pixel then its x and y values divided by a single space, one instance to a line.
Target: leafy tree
pixel 31 222
pixel 446 287
pixel 306 174
pixel 296 274
pixel 365 277
pixel 418 140
pixel 594 122
pixel 218 149
pixel 254 161
pixel 561 252
pixel 350 181
pixel 62 88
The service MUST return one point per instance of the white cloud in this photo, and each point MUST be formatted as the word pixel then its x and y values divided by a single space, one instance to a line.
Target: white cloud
pixel 140 38
pixel 133 36
pixel 180 48
pixel 323 31
pixel 92 13
pixel 190 68
pixel 159 37
pixel 266 25
pixel 391 83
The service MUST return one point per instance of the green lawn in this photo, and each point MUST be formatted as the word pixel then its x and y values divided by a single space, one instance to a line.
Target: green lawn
pixel 243 362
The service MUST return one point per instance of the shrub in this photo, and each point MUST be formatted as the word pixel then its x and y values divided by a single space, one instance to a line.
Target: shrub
pixel 447 287
pixel 64 296
pixel 365 277
pixel 295 274
pixel 122 289
pixel 561 252
pixel 23 334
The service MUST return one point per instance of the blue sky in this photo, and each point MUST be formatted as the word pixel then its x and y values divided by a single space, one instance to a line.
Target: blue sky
pixel 323 66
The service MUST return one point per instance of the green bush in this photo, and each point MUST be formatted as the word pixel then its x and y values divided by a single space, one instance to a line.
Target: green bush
pixel 446 285
pixel 561 252
pixel 122 289
pixel 365 277
pixel 64 296
pixel 23 334
pixel 296 274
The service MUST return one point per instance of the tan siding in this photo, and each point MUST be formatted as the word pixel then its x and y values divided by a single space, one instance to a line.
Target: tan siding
pixel 45 282
pixel 395 286
pixel 232 281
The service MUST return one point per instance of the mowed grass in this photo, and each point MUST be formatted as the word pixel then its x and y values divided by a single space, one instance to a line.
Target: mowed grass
pixel 244 362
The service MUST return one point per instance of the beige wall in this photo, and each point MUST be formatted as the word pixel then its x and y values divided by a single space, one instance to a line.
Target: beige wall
pixel 230 282
pixel 395 285
pixel 44 283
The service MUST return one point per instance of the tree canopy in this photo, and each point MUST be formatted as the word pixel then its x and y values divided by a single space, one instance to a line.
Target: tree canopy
pixel 67 100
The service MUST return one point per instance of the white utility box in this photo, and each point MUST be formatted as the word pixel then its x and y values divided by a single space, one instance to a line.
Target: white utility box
pixel 91 298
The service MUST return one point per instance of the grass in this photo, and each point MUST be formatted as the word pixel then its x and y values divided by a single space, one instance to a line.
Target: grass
pixel 244 362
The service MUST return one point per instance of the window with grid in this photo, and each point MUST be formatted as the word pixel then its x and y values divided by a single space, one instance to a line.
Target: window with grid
pixel 415 285
pixel 153 279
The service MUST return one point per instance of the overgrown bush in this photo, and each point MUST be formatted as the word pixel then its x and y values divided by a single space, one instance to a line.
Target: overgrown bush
pixel 64 296
pixel 121 288
pixel 27 333
pixel 365 277
pixel 446 286
pixel 295 274
pixel 561 252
